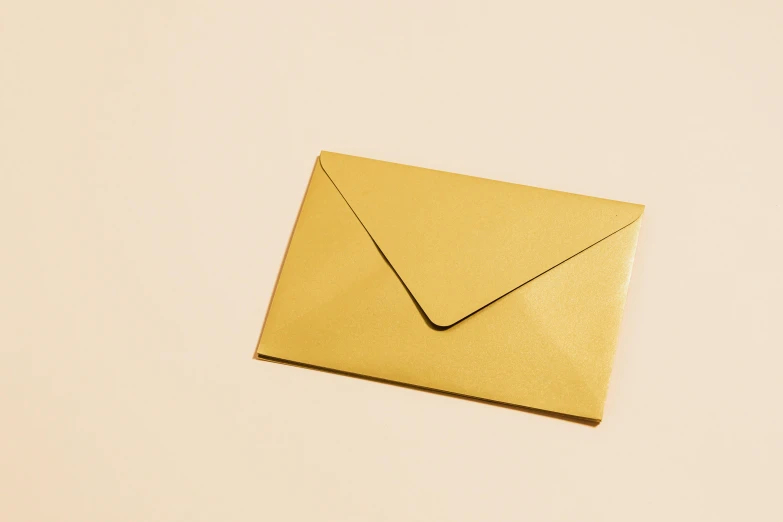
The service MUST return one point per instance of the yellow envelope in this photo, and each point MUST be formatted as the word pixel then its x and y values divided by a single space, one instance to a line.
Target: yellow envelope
pixel 468 286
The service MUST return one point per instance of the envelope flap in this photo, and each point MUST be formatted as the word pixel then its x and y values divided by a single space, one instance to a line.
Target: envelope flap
pixel 459 242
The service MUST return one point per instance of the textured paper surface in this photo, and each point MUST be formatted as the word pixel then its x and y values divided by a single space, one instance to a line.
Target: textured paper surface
pixel 348 297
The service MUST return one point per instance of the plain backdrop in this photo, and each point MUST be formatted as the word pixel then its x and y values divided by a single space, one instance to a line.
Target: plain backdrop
pixel 153 157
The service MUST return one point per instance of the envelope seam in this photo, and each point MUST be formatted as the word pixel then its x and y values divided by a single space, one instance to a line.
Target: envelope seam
pixel 410 291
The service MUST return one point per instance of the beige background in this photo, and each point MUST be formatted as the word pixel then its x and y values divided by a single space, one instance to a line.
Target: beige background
pixel 153 159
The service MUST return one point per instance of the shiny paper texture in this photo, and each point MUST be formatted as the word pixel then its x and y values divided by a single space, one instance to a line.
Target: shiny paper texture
pixel 464 285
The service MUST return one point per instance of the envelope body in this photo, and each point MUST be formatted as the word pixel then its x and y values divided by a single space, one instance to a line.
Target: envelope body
pixel 480 288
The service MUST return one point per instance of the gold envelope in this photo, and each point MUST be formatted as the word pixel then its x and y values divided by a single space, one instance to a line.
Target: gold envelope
pixel 468 286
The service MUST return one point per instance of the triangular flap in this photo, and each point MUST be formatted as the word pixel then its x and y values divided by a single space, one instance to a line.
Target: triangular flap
pixel 459 242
